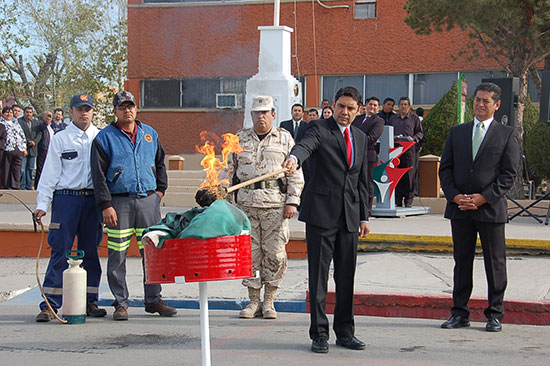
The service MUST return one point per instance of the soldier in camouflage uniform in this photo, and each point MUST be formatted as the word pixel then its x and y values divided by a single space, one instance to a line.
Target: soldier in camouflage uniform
pixel 268 204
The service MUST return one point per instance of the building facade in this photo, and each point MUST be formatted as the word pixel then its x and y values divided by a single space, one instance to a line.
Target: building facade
pixel 188 61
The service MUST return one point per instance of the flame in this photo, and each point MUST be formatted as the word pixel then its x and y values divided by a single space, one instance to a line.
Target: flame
pixel 210 163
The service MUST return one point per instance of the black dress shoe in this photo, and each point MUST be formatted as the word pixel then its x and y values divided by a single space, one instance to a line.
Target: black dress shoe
pixel 456 322
pixel 319 345
pixel 493 325
pixel 351 343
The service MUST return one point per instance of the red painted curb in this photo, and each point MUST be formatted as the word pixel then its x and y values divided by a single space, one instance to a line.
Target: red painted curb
pixel 439 307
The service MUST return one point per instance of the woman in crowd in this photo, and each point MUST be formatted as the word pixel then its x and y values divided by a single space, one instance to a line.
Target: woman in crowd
pixel 327 112
pixel 14 150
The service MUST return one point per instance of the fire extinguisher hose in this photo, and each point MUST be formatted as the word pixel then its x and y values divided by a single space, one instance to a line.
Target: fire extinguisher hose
pixel 38 278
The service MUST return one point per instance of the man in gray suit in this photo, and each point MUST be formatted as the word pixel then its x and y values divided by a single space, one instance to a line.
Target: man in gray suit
pixel 33 134
pixel 478 165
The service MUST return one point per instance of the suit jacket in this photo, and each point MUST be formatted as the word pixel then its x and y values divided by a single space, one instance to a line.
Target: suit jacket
pixel 333 186
pixel 373 128
pixel 45 140
pixel 491 173
pixel 289 126
pixel 31 134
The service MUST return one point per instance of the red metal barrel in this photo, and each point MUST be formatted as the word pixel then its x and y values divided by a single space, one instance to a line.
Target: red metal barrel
pixel 221 258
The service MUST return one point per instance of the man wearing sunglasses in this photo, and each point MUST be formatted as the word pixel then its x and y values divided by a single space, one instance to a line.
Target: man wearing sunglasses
pixel 130 179
pixel 47 133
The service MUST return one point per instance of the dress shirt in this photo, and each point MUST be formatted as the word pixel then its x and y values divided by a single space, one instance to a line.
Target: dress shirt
pixel 67 164
pixel 486 125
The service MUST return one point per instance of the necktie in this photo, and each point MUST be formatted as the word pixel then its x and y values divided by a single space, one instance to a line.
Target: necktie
pixel 296 126
pixel 478 137
pixel 348 146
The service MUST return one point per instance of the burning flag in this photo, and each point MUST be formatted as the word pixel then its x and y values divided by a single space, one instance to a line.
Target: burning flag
pixel 213 165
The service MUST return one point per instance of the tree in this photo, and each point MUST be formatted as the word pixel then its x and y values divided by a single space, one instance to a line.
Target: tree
pixel 53 49
pixel 514 33
pixel 439 121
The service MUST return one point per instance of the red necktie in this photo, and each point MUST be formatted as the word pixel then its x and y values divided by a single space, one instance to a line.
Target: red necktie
pixel 348 145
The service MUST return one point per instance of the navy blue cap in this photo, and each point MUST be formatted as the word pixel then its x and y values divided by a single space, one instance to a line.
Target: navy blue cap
pixel 81 99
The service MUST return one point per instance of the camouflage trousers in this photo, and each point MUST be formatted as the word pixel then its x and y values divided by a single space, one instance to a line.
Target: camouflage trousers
pixel 269 236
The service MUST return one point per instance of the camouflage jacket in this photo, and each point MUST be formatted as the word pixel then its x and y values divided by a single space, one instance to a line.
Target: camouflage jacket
pixel 260 157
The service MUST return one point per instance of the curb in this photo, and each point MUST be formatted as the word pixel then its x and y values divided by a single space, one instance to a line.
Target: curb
pixel 385 305
pixel 439 307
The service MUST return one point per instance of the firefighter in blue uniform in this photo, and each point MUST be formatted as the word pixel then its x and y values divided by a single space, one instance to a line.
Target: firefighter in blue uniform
pixel 66 183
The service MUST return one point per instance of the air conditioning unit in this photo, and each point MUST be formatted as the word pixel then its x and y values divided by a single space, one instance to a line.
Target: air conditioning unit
pixel 233 101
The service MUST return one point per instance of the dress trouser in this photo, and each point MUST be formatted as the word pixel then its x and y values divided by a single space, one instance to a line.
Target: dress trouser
pixel 405 187
pixel 134 215
pixel 40 159
pixel 11 167
pixel 339 245
pixel 370 168
pixel 492 238
pixel 81 217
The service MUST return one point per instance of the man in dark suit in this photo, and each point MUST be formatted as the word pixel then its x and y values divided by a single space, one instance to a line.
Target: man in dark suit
pixel 296 126
pixel 373 126
pixel 478 165
pixel 44 144
pixel 334 210
pixel 33 134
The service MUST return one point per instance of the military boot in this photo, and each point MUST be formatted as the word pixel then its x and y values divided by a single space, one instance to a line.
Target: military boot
pixel 269 296
pixel 253 309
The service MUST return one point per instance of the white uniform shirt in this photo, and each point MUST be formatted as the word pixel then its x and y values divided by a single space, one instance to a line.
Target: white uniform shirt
pixel 67 164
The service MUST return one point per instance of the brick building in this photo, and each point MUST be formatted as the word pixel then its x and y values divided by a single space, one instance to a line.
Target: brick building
pixel 181 53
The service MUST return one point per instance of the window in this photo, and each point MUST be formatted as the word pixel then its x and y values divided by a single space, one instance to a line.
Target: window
pixel 161 93
pixel 429 88
pixel 331 84
pixel 364 9
pixel 474 78
pixel 381 86
pixel 384 86
pixel 188 92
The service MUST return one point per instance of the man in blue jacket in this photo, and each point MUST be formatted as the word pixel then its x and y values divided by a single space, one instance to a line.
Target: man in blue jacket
pixel 130 180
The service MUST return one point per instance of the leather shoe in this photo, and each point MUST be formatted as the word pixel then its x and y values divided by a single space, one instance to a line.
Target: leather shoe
pixel 456 322
pixel 120 313
pixel 319 345
pixel 95 312
pixel 161 308
pixel 351 343
pixel 45 315
pixel 493 325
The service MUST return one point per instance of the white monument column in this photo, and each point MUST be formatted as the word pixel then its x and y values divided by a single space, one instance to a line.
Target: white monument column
pixel 274 77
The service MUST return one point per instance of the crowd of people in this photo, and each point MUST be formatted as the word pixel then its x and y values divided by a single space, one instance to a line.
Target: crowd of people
pixel 24 143
pixel 117 177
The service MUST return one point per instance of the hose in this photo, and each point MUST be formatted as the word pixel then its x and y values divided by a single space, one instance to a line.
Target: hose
pixel 34 221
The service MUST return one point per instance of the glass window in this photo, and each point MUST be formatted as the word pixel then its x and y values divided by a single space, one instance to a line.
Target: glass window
pixel 364 9
pixel 331 84
pixel 474 78
pixel 384 86
pixel 161 93
pixel 189 92
pixel 429 88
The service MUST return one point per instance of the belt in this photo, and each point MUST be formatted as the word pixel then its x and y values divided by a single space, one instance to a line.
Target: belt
pixel 133 194
pixel 264 184
pixel 75 192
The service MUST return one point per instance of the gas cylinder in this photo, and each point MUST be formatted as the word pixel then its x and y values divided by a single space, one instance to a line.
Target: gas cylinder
pixel 74 289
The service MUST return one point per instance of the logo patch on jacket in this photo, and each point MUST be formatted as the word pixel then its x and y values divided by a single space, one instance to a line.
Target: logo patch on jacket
pixel 148 138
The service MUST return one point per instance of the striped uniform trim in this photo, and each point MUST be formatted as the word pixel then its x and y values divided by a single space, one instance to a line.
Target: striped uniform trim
pixel 53 290
pixel 119 240
pixel 59 291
